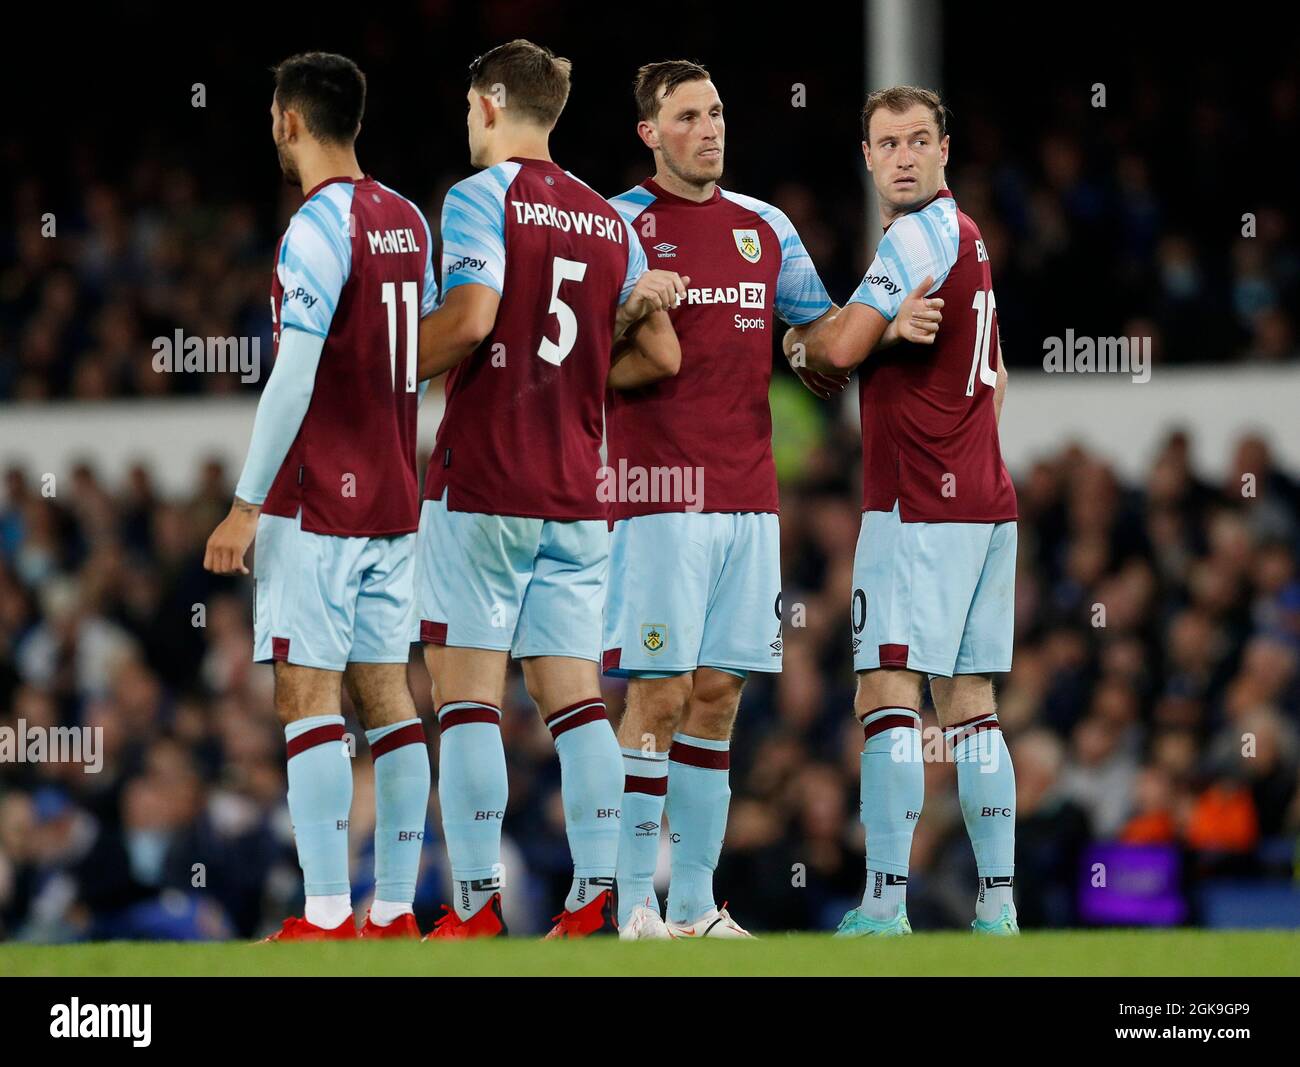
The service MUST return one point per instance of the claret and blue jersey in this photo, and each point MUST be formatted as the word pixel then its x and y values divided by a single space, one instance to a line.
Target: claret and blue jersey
pixel 355 268
pixel 522 431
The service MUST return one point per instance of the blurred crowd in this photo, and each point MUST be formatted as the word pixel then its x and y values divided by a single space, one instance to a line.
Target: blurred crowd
pixel 99 257
pixel 1154 699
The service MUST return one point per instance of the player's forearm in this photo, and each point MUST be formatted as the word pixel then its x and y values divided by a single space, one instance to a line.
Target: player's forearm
pixel 827 347
pixel 453 333
pixel 280 412
pixel 446 339
pixel 651 354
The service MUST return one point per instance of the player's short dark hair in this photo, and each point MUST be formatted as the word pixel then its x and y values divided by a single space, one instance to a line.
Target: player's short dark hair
pixel 666 75
pixel 534 79
pixel 898 99
pixel 329 92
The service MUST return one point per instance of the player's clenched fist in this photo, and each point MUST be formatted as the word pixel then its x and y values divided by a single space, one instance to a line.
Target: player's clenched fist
pixel 230 540
pixel 656 290
pixel 919 317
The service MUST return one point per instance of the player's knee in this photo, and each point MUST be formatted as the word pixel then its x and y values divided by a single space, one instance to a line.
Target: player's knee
pixel 655 708
pixel 715 700
pixel 887 688
pixel 395 706
pixel 964 697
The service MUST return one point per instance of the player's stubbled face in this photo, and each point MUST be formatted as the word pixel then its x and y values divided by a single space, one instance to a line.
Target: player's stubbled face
pixel 692 132
pixel 905 156
pixel 287 166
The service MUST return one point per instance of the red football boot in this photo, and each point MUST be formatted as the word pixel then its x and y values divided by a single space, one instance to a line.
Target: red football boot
pixel 296 928
pixel 486 922
pixel 404 926
pixel 590 919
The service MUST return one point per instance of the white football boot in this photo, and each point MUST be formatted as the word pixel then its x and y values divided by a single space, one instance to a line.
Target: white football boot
pixel 716 922
pixel 644 924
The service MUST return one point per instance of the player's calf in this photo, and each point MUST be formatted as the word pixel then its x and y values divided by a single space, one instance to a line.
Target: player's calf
pixel 402 779
pixel 654 707
pixel 699 793
pixel 892 787
pixel 320 788
pixel 986 787
pixel 472 785
pixel 591 774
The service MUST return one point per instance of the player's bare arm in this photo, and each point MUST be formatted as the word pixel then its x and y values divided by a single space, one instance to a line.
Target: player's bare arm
pixel 820 385
pixel 655 290
pixel 450 334
pixel 649 352
pixel 840 341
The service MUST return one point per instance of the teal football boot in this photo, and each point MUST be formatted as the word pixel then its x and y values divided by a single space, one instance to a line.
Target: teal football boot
pixel 1003 926
pixel 855 924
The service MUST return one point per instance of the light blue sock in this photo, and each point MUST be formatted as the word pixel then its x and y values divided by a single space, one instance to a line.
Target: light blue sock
pixel 320 798
pixel 472 792
pixel 591 783
pixel 986 786
pixel 401 758
pixel 645 784
pixel 699 796
pixel 892 791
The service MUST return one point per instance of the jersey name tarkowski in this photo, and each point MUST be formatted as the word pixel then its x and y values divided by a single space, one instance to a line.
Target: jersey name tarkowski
pixel 929 430
pixel 354 267
pixel 522 429
pixel 746 264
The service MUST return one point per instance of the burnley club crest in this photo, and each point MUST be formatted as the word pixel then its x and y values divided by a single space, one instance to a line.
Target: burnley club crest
pixel 653 637
pixel 748 244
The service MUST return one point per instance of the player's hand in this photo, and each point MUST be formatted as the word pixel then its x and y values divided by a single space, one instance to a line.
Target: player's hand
pixel 230 540
pixel 655 290
pixel 822 385
pixel 919 318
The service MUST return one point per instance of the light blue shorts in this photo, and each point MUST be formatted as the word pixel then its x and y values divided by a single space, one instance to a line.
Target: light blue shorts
pixel 532 587
pixel 936 597
pixel 694 589
pixel 326 601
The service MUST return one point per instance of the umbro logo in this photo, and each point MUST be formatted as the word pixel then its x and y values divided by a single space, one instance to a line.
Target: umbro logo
pixel 665 250
pixel 647 826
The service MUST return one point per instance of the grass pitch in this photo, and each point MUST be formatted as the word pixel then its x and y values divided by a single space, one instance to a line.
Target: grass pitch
pixel 1108 953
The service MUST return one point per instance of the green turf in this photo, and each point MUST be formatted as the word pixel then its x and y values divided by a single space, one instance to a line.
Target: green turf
pixel 1074 953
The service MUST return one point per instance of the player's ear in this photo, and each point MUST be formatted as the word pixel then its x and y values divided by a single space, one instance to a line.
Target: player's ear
pixel 648 133
pixel 866 154
pixel 489 108
pixel 943 151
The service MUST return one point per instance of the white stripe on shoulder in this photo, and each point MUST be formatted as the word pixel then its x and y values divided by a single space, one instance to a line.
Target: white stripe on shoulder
pixel 773 216
pixel 631 203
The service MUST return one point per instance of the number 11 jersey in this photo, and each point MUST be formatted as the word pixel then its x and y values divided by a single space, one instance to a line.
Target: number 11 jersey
pixel 355 268
pixel 524 419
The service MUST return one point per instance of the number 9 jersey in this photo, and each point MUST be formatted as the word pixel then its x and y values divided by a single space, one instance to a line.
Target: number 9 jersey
pixel 524 418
